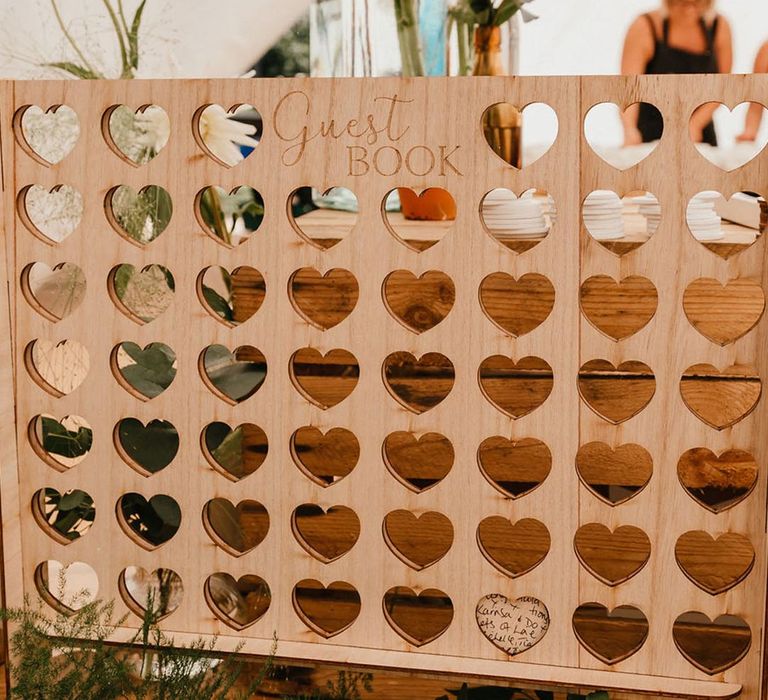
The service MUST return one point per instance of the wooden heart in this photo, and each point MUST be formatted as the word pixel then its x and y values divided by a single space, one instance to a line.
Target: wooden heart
pixel 326 610
pixel 66 516
pixel 66 587
pixel 418 540
pixel 325 458
pixel 516 388
pixel 424 218
pixel 141 294
pixel 517 224
pixel 228 136
pixel 230 218
pixel 231 298
pixel 324 380
pixel 594 131
pixel 419 463
pixel 148 449
pixel 139 217
pixel 614 475
pixel 717 482
pixel 238 603
pixel 619 309
pixel 137 137
pixel 160 591
pixel 418 618
pixel 149 523
pixel 720 398
pixel 621 223
pixel 513 548
pixel 323 220
pixel 61 444
pixel 724 313
pixel 234 452
pixel 517 306
pixel 53 292
pixel 233 376
pixel 419 303
pixel 323 300
pixel 731 120
pixel 711 645
pixel 326 534
pixel 59 368
pixel 236 529
pixel 502 123
pixel 52 215
pixel 611 636
pixel 144 373
pixel 418 384
pixel 616 393
pixel 48 136
pixel 514 467
pixel 714 565
pixel 514 626
pixel 612 557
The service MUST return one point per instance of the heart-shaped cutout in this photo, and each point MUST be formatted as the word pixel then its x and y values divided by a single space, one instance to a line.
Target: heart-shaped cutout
pixel 617 153
pixel 66 587
pixel 518 223
pixel 326 610
pixel 418 462
pixel 422 219
pixel 514 548
pixel 52 215
pixel 323 219
pixel 141 294
pixel 236 529
pixel 137 137
pixel 749 144
pixel 418 540
pixel 514 626
pixel 233 376
pixel 227 136
pixel 418 618
pixel 616 393
pixel 58 368
pixel 326 534
pixel 53 292
pixel 502 125
pixel 149 523
pixel 234 452
pixel 159 592
pixel 714 564
pixel 612 557
pixel 231 298
pixel 724 313
pixel 517 306
pixel 621 224
pixel 237 602
pixel 144 373
pixel 720 398
pixel 610 636
pixel 323 300
pixel 514 467
pixel 717 482
pixel 324 380
pixel 61 444
pixel 614 475
pixel 48 136
pixel 139 217
pixel 516 388
pixel 326 458
pixel 64 516
pixel 711 645
pixel 148 449
pixel 726 226
pixel 230 218
pixel 619 309
pixel 418 384
pixel 419 303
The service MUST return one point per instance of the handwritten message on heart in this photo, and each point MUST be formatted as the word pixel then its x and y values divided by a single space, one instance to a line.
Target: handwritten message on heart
pixel 512 625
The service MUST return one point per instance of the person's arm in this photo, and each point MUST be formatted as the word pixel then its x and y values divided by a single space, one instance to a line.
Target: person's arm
pixel 755 113
pixel 724 53
pixel 638 50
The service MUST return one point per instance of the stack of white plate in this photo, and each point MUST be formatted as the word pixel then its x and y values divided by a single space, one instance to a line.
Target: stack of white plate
pixel 507 216
pixel 650 208
pixel 602 214
pixel 702 217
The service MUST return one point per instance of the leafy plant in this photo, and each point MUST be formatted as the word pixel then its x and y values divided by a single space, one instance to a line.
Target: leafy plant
pixel 58 440
pixel 68 512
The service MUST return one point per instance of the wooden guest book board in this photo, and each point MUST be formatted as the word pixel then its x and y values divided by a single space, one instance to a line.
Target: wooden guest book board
pixel 417 134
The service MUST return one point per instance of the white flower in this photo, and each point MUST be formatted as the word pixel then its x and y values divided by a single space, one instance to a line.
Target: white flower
pixel 222 135
pixel 154 128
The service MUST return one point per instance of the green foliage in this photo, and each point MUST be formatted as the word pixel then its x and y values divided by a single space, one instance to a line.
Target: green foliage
pixel 57 440
pixel 66 511
pixel 152 447
pixel 153 368
pixel 349 685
